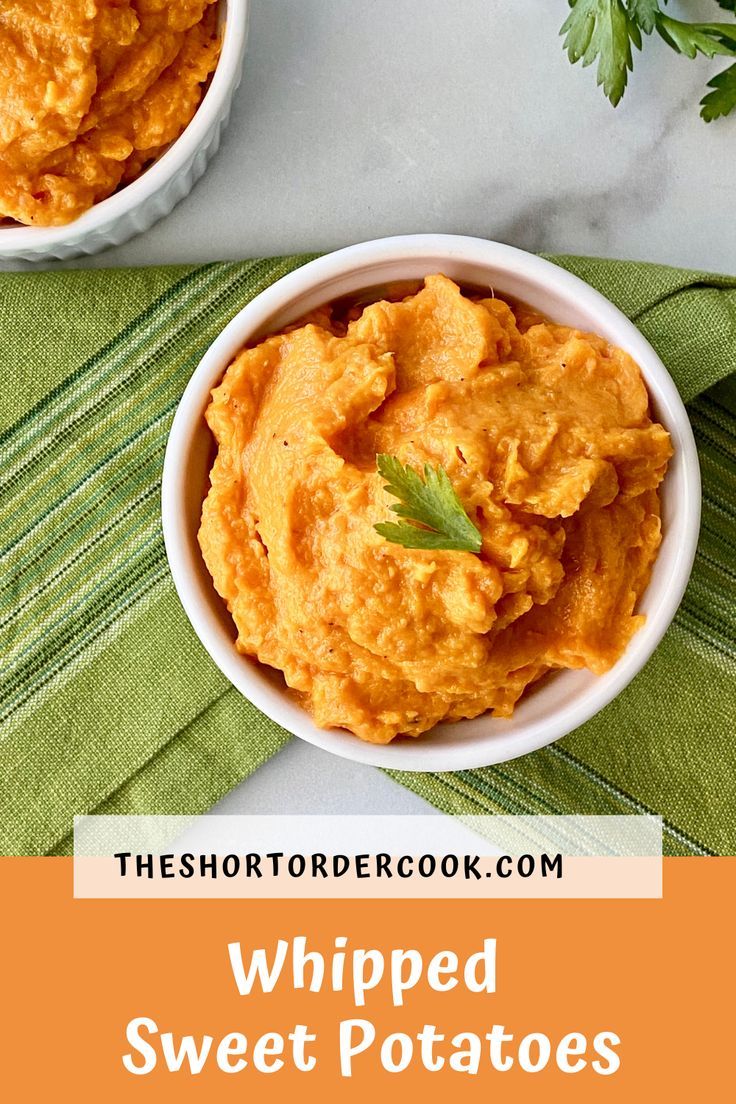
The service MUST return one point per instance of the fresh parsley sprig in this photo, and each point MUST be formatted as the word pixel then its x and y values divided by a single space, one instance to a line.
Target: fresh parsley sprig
pixel 722 100
pixel 435 516
pixel 602 29
pixel 606 31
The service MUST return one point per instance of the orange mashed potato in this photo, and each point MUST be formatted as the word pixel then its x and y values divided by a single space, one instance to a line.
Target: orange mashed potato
pixel 91 91
pixel 547 437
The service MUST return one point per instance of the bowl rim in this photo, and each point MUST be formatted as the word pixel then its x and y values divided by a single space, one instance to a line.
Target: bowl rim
pixel 16 239
pixel 416 756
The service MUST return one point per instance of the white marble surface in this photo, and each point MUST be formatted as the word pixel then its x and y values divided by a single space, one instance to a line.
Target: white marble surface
pixel 360 118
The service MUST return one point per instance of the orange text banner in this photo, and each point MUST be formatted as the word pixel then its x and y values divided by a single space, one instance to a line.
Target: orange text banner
pixel 638 991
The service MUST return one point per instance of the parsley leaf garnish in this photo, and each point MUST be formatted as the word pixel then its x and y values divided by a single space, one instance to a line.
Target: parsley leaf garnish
pixel 602 29
pixel 645 13
pixel 436 518
pixel 722 99
pixel 605 30
pixel 691 39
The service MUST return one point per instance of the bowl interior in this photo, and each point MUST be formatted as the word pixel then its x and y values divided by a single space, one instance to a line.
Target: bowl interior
pixel 561 701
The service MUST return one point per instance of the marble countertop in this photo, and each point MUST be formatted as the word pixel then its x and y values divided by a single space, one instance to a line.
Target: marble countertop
pixel 361 119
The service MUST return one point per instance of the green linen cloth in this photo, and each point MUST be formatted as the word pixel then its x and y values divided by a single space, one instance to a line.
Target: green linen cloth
pixel 108 703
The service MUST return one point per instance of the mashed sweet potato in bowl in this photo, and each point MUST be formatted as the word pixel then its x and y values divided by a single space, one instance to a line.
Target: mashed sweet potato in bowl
pixel 109 112
pixel 560 436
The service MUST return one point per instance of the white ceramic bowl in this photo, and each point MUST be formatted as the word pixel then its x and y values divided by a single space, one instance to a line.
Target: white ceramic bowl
pixel 562 701
pixel 140 204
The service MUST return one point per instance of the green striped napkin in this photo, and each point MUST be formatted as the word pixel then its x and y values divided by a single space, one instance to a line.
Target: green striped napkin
pixel 107 701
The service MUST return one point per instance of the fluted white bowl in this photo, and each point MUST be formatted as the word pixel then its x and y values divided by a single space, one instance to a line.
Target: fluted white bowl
pixel 144 201
pixel 562 701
